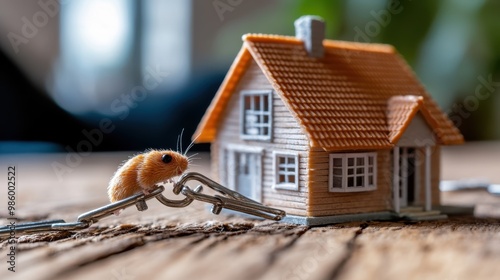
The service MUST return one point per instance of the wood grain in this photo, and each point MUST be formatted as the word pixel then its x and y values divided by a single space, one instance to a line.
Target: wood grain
pixel 192 243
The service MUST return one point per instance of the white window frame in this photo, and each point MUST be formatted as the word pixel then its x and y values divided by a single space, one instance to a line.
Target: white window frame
pixel 276 171
pixel 261 112
pixel 365 174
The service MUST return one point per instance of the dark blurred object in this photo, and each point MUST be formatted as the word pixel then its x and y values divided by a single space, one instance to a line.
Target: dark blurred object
pixel 27 114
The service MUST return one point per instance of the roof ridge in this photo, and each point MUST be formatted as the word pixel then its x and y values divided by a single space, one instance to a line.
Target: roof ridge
pixel 372 47
pixel 260 37
pixel 409 97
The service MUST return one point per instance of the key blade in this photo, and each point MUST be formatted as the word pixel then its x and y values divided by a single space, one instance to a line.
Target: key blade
pixel 23 228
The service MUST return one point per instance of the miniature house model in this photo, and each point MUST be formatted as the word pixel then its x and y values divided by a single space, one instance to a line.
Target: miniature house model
pixel 328 131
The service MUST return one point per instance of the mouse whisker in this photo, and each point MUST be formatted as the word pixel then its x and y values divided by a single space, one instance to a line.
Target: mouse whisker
pixel 191 159
pixel 188 148
pixel 191 144
pixel 177 146
pixel 182 132
pixel 193 155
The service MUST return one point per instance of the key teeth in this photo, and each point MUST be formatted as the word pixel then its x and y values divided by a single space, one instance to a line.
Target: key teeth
pixel 216 209
pixel 278 217
pixel 141 205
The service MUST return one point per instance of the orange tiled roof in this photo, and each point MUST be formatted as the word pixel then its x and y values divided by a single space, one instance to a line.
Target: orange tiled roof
pixel 346 100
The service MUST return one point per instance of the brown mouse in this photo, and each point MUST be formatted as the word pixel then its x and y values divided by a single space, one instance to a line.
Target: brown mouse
pixel 143 171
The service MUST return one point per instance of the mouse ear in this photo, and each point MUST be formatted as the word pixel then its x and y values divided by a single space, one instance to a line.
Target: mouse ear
pixel 166 158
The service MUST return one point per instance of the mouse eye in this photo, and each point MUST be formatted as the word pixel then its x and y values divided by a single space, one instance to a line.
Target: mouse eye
pixel 166 158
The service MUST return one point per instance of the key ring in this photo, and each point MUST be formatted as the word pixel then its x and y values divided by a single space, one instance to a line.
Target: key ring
pixel 227 199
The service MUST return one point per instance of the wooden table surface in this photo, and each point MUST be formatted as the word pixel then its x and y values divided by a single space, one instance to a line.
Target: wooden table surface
pixel 192 243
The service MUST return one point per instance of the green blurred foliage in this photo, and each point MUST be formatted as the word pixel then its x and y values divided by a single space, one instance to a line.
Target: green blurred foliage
pixel 490 22
pixel 410 27
pixel 330 11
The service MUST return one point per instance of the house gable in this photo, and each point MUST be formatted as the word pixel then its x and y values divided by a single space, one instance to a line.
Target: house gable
pixel 417 133
pixel 286 131
pixel 209 124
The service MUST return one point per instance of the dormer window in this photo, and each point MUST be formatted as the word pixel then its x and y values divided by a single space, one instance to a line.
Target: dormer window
pixel 256 114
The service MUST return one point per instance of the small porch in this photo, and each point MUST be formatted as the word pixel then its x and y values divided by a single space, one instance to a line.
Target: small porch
pixel 415 159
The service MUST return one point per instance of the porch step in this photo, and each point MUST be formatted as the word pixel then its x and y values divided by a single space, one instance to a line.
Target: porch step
pixel 411 209
pixel 422 215
pixel 428 218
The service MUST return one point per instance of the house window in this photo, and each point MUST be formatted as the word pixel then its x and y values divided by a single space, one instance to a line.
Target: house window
pixel 256 114
pixel 353 172
pixel 286 170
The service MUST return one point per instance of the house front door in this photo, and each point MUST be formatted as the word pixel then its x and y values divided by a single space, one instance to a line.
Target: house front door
pixel 407 176
pixel 247 173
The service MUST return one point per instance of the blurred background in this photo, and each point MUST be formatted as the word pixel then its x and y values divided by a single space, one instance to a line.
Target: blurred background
pixel 130 74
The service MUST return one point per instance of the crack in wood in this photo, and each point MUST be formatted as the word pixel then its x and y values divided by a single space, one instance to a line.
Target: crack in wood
pixel 273 257
pixel 351 246
pixel 228 230
pixel 126 245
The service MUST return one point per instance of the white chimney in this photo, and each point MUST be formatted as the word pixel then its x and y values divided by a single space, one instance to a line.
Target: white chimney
pixel 311 30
